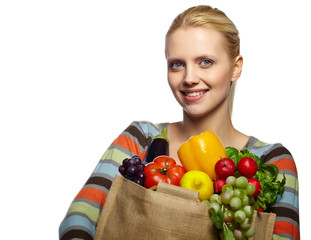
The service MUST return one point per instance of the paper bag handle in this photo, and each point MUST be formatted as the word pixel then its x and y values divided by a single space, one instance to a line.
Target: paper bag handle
pixel 177 191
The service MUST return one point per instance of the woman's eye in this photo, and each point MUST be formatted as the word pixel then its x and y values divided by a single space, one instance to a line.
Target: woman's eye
pixel 206 62
pixel 176 65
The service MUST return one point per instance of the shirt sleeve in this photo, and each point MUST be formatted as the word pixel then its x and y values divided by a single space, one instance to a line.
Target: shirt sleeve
pixel 287 206
pixel 81 219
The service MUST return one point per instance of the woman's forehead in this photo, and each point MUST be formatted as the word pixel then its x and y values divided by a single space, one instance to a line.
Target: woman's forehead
pixel 194 41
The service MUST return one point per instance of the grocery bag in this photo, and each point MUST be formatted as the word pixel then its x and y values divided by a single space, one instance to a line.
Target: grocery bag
pixel 170 212
pixel 264 225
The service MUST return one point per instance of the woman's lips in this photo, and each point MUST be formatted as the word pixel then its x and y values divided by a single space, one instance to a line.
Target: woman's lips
pixel 194 95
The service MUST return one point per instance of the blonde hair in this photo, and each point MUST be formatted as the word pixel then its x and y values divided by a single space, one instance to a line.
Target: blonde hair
pixel 213 18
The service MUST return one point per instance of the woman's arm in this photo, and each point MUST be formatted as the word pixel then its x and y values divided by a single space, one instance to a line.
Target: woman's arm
pixel 287 206
pixel 83 214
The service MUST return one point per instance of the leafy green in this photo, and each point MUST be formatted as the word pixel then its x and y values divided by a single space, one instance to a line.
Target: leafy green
pixel 271 172
pixel 233 154
pixel 260 176
pixel 270 188
pixel 282 185
pixel 269 192
pixel 228 235
pixel 218 219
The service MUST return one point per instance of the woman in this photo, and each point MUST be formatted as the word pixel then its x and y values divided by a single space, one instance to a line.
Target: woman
pixel 202 52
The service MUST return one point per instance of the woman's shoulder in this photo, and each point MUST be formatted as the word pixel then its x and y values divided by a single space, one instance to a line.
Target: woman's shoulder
pixel 259 147
pixel 147 128
pixel 275 153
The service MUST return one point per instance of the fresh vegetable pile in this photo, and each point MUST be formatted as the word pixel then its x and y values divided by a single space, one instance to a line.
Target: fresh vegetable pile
pixel 233 183
pixel 243 186
pixel 264 179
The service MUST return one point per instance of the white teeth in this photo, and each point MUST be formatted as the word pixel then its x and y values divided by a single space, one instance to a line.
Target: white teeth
pixel 194 94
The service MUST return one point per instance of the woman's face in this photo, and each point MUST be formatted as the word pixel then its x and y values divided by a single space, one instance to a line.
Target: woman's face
pixel 200 70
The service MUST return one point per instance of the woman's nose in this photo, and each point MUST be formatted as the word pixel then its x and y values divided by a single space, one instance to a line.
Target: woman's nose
pixel 191 77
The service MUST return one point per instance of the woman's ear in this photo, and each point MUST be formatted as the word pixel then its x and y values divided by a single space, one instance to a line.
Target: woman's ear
pixel 237 68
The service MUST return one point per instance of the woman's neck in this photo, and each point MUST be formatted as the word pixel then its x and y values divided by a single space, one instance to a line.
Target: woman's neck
pixel 220 123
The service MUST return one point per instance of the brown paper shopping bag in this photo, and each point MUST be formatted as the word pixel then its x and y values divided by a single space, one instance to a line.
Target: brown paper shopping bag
pixel 134 212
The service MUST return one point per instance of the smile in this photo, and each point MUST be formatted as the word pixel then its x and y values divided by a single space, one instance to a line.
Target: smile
pixel 194 94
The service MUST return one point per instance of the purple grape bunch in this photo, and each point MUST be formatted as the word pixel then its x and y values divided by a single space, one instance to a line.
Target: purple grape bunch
pixel 132 169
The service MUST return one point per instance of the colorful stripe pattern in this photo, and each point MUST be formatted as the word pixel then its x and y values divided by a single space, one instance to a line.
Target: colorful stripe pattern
pixel 81 219
pixel 287 206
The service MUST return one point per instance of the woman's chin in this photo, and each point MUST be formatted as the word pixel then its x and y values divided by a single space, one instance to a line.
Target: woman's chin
pixel 195 113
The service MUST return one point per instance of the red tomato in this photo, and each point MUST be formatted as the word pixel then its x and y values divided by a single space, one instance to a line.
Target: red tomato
pixel 247 167
pixel 257 185
pixel 163 169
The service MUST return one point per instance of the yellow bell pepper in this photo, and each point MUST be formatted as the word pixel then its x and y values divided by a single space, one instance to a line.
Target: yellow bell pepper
pixel 201 152
pixel 198 181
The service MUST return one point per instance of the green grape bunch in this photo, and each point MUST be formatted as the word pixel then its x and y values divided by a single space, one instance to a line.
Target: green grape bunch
pixel 232 210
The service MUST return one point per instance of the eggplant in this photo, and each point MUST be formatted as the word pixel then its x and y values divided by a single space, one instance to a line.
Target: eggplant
pixel 158 146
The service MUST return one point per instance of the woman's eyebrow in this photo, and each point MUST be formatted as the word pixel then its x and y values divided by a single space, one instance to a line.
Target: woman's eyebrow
pixel 175 60
pixel 201 57
pixel 206 56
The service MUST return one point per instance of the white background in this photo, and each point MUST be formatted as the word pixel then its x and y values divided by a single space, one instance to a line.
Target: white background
pixel 75 73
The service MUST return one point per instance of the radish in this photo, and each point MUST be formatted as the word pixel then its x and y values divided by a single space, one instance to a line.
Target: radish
pixel 218 184
pixel 224 168
pixel 257 185
pixel 247 167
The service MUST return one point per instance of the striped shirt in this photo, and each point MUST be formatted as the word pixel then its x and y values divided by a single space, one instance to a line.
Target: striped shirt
pixel 84 212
